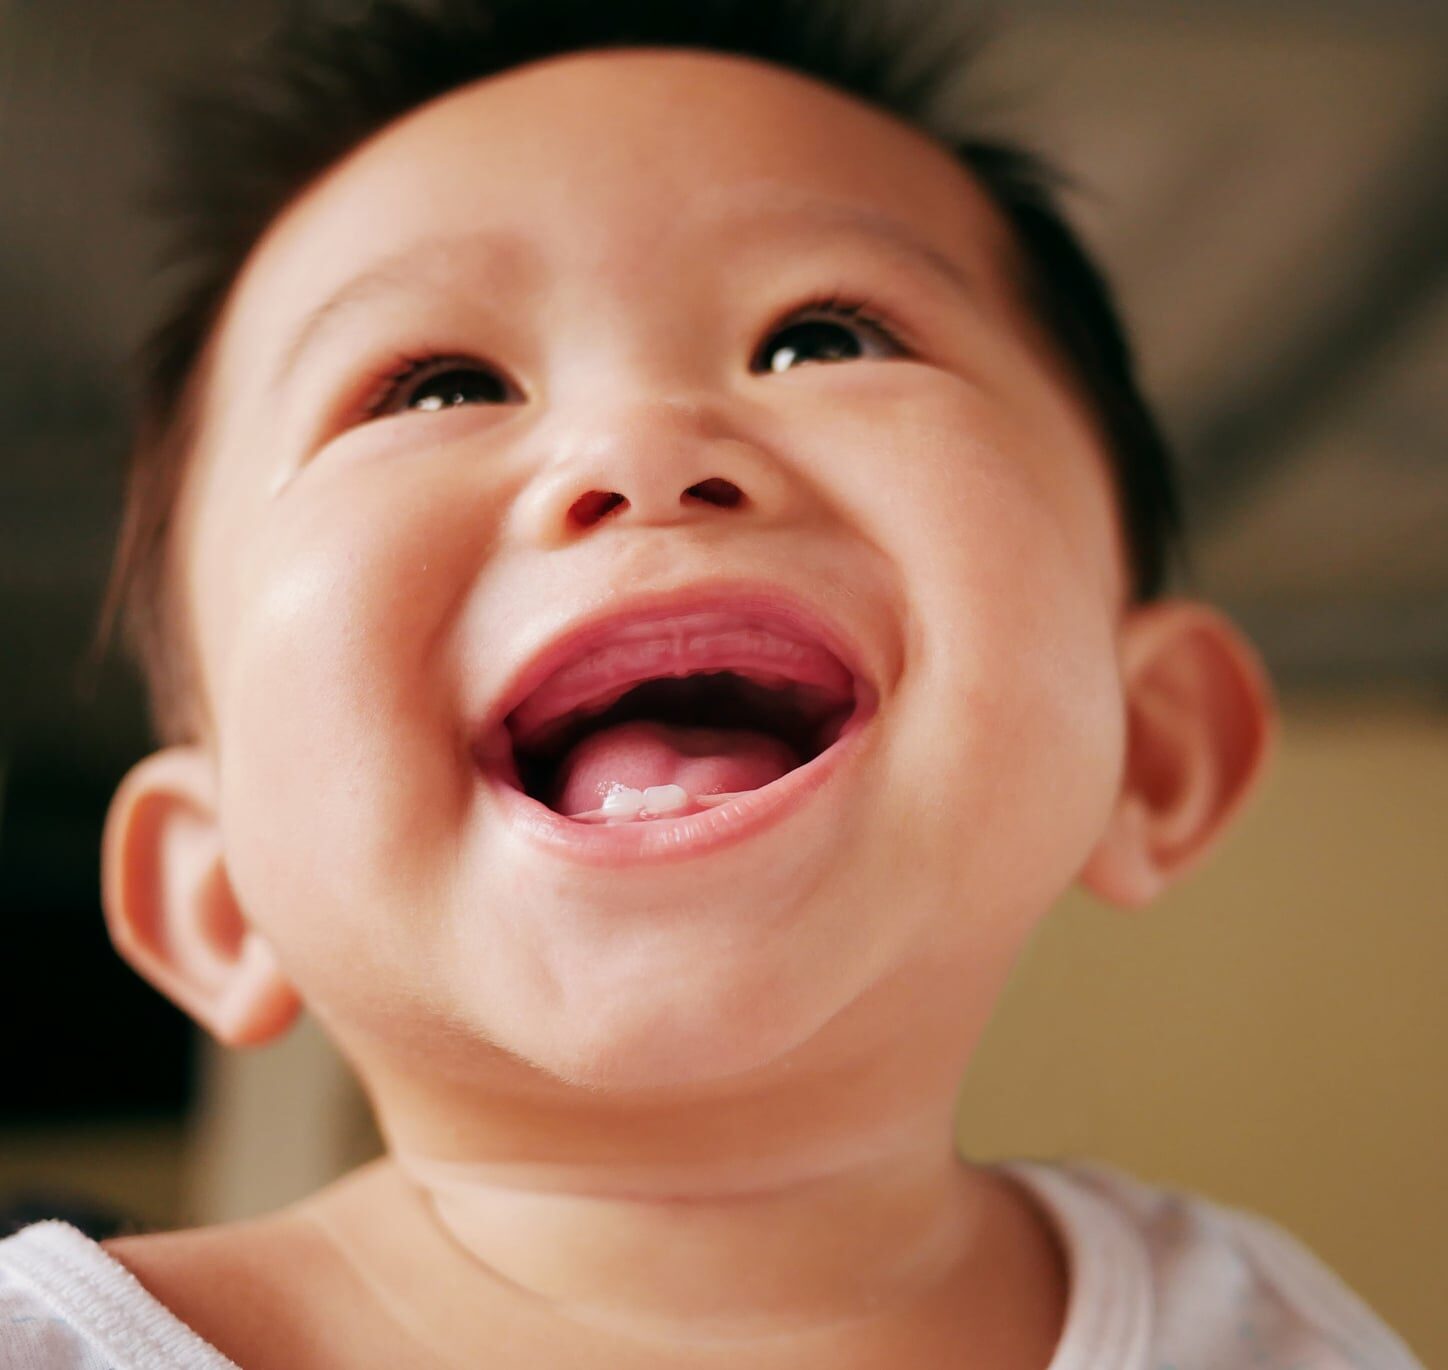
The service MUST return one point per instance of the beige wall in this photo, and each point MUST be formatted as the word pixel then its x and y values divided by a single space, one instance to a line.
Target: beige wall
pixel 1274 1033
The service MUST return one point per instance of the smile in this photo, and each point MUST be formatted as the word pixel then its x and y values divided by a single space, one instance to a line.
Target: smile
pixel 676 726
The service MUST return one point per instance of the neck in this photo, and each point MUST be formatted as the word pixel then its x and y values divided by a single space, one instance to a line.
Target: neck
pixel 813 1210
pixel 722 1252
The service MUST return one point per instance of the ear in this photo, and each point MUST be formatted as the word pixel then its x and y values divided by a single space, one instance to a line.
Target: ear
pixel 1201 725
pixel 170 909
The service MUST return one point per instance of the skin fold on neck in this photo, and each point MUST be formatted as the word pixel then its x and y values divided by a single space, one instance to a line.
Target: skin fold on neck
pixel 913 1251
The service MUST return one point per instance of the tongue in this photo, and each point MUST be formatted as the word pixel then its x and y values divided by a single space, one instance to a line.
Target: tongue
pixel 640 754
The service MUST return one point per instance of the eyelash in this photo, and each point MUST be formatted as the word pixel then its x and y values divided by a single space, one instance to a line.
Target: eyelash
pixel 384 387
pixel 847 306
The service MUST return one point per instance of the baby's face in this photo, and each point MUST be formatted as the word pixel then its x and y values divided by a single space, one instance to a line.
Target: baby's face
pixel 605 247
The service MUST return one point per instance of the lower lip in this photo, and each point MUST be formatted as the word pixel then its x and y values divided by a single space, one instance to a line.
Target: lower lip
pixel 657 841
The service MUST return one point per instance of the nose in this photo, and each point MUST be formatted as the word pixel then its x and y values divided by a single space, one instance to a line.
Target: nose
pixel 649 464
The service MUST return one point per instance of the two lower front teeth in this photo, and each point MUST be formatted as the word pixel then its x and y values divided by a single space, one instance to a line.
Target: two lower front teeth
pixel 625 805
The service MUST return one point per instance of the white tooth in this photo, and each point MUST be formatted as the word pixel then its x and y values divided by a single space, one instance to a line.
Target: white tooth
pixel 623 801
pixel 665 798
pixel 623 805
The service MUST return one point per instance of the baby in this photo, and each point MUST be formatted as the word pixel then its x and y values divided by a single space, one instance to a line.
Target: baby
pixel 647 553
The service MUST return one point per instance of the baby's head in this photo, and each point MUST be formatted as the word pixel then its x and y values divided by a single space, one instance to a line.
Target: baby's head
pixel 505 333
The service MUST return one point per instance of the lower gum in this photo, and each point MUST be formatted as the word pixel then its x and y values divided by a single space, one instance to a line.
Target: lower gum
pixel 699 804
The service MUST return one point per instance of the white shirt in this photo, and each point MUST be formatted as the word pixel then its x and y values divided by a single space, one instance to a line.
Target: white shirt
pixel 1159 1280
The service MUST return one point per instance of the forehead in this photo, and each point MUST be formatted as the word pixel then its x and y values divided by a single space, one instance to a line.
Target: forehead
pixel 617 166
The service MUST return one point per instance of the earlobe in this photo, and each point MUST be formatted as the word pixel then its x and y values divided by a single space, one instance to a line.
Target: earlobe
pixel 1200 728
pixel 170 908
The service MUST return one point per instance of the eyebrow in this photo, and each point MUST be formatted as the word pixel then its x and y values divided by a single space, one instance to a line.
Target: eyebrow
pixel 405 271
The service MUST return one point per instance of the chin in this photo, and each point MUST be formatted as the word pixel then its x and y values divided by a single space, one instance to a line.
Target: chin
pixel 617 1039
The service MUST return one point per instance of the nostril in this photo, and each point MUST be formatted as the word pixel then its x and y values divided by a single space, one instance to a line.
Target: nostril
pixel 588 509
pixel 717 490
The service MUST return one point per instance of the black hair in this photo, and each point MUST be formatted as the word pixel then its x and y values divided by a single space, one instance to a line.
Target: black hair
pixel 238 150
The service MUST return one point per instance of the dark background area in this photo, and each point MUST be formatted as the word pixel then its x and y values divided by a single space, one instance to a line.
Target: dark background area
pixel 92 1040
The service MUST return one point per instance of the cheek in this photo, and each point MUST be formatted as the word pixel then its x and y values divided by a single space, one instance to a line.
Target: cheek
pixel 1010 731
pixel 338 780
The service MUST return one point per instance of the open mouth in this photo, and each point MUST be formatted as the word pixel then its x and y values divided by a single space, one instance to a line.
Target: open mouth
pixel 677 743
pixel 670 715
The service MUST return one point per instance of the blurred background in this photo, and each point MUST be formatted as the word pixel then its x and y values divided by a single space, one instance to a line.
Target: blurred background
pixel 1267 182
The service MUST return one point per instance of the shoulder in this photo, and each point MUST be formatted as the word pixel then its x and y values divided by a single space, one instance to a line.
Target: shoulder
pixel 271 1293
pixel 178 1260
pixel 247 1288
pixel 1224 1285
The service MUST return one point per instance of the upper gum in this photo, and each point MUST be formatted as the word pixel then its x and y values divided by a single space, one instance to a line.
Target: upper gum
pixel 525 719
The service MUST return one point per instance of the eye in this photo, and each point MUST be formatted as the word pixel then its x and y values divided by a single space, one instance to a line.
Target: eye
pixel 429 384
pixel 828 329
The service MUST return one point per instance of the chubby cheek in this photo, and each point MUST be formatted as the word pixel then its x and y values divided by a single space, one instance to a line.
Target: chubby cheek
pixel 337 780
pixel 1010 729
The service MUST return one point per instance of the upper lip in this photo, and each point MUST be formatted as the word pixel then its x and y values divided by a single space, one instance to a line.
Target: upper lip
pixel 765 605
